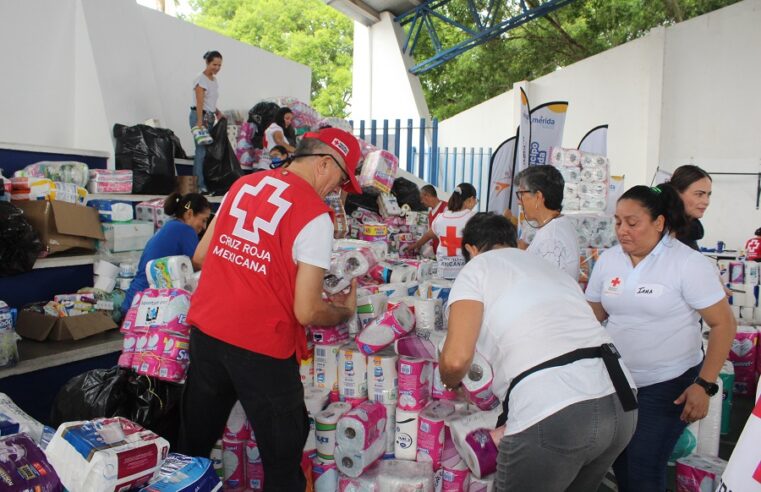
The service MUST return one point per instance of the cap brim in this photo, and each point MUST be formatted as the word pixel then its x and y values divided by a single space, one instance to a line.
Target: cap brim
pixel 353 185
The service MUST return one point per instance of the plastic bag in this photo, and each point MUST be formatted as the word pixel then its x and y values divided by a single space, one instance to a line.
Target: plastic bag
pixel 119 392
pixel 19 243
pixel 149 152
pixel 220 166
pixel 93 394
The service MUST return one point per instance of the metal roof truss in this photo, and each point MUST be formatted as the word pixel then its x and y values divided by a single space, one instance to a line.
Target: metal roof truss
pixel 489 20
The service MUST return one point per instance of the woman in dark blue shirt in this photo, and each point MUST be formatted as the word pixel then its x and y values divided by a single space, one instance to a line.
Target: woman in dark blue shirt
pixel 179 236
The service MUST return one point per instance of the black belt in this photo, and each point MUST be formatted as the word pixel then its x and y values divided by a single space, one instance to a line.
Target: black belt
pixel 610 357
pixel 193 108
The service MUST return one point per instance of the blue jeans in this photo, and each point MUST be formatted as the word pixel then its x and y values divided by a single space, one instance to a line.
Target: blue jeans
pixel 208 122
pixel 642 465
pixel 571 450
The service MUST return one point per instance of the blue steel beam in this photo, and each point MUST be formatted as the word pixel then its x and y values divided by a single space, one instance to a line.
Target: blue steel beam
pixel 487 25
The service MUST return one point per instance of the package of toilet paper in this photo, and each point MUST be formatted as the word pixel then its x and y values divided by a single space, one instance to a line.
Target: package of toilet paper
pixel 171 272
pixel 180 473
pixel 24 467
pixel 699 473
pixel 362 426
pixel 165 309
pixel 109 454
pixel 401 475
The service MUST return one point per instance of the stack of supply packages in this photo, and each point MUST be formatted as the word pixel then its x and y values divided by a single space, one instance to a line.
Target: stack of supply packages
pixel 387 398
pixel 586 179
pixel 236 456
pixel 305 117
pixel 171 272
pixel 110 181
pixel 698 473
pixel 156 334
pixel 24 466
pixel 106 454
pixel 63 181
pixel 391 235
pixel 152 211
pixel 742 279
pixel 8 337
pixel 379 168
pixel 112 210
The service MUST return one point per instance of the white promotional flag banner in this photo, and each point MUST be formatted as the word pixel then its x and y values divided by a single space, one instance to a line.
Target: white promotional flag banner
pixel 524 135
pixel 501 177
pixel 547 122
pixel 743 471
pixel 595 141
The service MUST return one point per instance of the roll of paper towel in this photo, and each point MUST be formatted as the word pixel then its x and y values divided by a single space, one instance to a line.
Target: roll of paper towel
pixel 352 372
pixel 420 345
pixel 370 307
pixel 415 377
pixel 326 366
pixel 727 376
pixel 455 478
pixel 362 426
pixel 405 446
pixel 353 462
pixel 477 383
pixel 382 377
pixel 315 400
pixel 430 436
pixel 709 432
pixel 325 428
pixel 387 328
pixel 390 429
pixel 470 433
pixel 428 315
pixel 687 443
pixel 438 390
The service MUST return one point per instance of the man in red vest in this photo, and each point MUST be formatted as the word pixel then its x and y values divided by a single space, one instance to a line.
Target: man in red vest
pixel 430 199
pixel 264 257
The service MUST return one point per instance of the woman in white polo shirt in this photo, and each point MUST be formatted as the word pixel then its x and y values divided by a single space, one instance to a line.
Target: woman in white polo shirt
pixel 653 290
pixel 568 414
pixel 540 193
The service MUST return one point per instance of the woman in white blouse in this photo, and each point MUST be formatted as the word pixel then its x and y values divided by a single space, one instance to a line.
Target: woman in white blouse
pixel 653 290
pixel 540 193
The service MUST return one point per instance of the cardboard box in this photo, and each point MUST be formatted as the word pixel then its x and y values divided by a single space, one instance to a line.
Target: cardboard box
pixel 127 236
pixel 63 226
pixel 41 327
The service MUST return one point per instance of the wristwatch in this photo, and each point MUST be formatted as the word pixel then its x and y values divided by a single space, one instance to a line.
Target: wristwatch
pixel 711 388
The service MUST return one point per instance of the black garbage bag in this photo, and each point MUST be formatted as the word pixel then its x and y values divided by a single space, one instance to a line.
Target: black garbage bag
pixel 19 243
pixel 365 200
pixel 93 394
pixel 407 192
pixel 263 115
pixel 149 152
pixel 220 165
pixel 119 392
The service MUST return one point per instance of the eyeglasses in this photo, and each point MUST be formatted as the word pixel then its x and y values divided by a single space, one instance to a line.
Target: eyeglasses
pixel 346 179
pixel 520 193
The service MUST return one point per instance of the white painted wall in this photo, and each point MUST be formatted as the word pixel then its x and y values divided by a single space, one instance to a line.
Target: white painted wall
pixel 686 93
pixel 382 87
pixel 77 67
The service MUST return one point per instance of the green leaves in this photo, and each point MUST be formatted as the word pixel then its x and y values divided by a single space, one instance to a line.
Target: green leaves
pixel 305 31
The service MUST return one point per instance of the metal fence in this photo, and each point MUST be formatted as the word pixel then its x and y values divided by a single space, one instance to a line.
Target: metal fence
pixel 416 145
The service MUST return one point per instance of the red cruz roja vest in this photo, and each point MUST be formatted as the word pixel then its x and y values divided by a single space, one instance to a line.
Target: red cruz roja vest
pixel 246 292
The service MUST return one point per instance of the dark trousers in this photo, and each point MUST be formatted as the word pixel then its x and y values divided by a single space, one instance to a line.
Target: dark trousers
pixel 642 465
pixel 271 393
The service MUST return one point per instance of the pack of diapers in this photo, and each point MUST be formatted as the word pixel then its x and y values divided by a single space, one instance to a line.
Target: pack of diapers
pixel 24 467
pixel 13 420
pixel 180 473
pixel 109 454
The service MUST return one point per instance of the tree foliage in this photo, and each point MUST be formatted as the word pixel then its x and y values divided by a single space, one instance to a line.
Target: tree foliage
pixel 571 33
pixel 309 32
pixel 305 31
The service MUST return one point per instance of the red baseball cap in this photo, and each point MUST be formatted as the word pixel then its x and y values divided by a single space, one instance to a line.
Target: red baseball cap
pixel 347 147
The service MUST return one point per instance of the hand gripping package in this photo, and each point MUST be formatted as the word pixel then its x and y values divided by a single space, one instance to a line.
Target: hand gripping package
pixel 110 454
